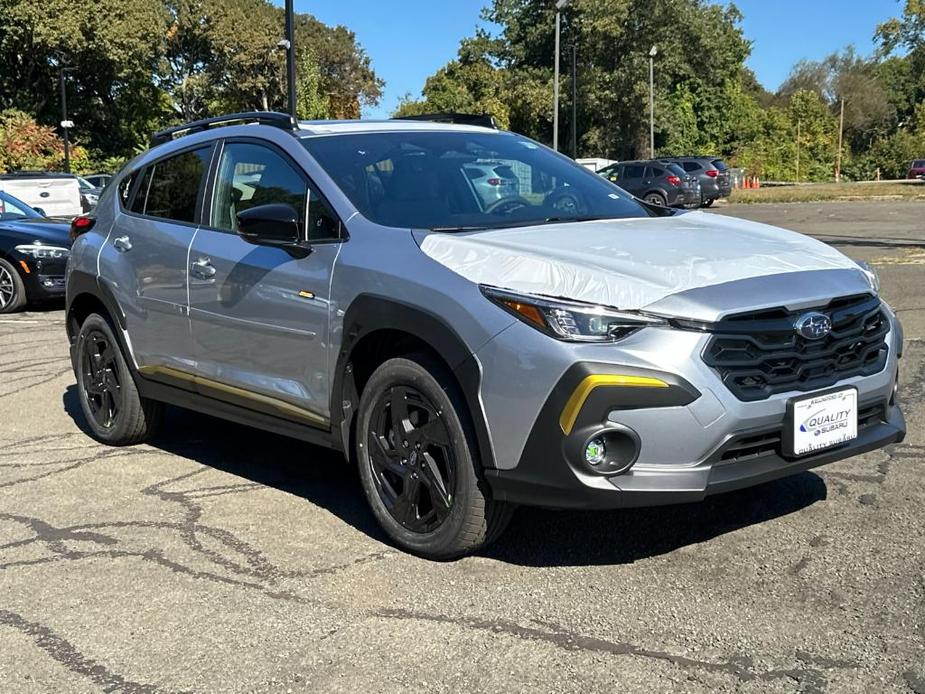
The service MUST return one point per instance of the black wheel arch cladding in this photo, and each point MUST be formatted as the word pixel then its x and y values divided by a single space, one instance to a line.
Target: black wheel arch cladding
pixel 368 314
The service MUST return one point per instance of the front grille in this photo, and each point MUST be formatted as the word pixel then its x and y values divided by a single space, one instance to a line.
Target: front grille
pixel 747 447
pixel 757 355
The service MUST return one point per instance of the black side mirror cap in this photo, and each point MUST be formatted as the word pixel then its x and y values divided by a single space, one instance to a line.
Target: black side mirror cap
pixel 276 225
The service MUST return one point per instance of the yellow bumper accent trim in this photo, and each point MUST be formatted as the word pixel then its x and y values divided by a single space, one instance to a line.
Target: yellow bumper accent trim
pixel 198 382
pixel 577 400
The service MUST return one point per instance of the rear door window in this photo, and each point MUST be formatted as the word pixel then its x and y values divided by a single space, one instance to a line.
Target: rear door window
pixel 175 186
pixel 633 171
pixel 654 172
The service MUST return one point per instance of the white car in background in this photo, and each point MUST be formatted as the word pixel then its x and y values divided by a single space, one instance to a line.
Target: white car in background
pixel 54 194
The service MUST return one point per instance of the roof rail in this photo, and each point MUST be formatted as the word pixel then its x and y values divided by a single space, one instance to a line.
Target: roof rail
pixel 485 120
pixel 279 120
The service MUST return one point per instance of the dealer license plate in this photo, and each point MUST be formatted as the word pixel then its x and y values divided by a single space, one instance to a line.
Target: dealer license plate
pixel 821 421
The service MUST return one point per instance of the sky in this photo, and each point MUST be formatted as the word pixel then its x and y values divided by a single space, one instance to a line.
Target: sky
pixel 408 40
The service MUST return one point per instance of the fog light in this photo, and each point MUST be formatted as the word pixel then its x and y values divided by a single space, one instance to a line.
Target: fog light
pixel 595 452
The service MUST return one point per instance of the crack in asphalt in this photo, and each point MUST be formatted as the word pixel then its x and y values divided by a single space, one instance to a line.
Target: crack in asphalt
pixel 740 667
pixel 63 652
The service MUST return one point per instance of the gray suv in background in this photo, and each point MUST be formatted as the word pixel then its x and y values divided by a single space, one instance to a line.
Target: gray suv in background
pixel 568 346
pixel 713 174
pixel 658 183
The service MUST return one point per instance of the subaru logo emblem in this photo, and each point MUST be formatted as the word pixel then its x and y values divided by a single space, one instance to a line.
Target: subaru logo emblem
pixel 813 326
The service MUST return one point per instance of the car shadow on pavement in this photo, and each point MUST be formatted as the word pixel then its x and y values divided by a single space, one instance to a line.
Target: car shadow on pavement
pixel 536 537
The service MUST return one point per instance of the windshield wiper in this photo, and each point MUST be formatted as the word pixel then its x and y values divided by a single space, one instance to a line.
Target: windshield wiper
pixel 452 229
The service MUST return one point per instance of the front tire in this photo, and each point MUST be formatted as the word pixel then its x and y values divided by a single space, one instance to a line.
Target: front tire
pixel 116 414
pixel 12 290
pixel 417 462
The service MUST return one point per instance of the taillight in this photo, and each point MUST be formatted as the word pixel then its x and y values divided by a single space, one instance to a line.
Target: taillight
pixel 673 180
pixel 81 225
pixel 712 173
pixel 494 181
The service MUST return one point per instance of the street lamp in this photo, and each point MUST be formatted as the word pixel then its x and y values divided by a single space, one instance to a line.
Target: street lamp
pixel 289 44
pixel 65 123
pixel 560 5
pixel 652 53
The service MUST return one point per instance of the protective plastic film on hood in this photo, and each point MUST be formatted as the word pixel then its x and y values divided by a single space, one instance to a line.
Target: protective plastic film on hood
pixel 629 263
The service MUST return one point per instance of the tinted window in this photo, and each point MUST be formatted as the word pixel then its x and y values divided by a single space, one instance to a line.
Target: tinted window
pixel 918 164
pixel 633 171
pixel 691 166
pixel 141 194
pixel 175 185
pixel 719 164
pixel 250 175
pixel 654 172
pixel 675 169
pixel 432 180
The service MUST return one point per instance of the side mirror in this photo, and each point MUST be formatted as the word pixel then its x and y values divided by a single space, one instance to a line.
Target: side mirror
pixel 40 211
pixel 276 225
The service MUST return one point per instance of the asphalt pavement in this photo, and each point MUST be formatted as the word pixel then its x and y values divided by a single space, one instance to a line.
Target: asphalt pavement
pixel 222 559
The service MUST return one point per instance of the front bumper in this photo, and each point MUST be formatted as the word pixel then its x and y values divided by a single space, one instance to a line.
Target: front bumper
pixel 550 486
pixel 694 439
pixel 43 279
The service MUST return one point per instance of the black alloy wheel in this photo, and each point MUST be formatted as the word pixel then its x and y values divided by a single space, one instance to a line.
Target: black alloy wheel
pixel 418 461
pixel 413 465
pixel 102 389
pixel 114 409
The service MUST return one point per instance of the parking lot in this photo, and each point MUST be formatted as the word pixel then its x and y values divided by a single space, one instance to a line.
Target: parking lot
pixel 219 558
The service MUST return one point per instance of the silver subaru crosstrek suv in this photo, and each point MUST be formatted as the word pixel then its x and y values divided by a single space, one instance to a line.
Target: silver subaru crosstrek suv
pixel 565 346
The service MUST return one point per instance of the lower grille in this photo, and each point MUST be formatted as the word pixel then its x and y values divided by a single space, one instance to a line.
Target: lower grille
pixel 740 449
pixel 758 355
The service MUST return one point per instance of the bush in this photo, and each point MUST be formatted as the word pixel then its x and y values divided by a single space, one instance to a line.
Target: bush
pixel 26 145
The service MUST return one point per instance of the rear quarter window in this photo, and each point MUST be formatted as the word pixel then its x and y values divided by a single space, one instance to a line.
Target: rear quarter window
pixel 719 164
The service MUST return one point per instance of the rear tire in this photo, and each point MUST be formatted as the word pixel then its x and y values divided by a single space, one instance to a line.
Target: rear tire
pixel 708 202
pixel 12 290
pixel 418 463
pixel 655 198
pixel 116 414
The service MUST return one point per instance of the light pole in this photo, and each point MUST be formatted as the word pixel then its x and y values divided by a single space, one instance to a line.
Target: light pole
pixel 574 101
pixel 560 5
pixel 652 53
pixel 65 123
pixel 290 56
pixel 841 133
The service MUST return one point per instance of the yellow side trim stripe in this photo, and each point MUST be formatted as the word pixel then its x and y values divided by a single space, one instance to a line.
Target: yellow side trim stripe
pixel 577 400
pixel 281 406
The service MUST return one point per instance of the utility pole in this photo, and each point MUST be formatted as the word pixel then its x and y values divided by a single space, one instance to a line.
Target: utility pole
pixel 290 56
pixel 560 5
pixel 652 53
pixel 65 123
pixel 574 101
pixel 841 132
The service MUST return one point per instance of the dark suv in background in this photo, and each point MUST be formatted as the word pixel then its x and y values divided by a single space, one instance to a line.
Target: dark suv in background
pixel 712 172
pixel 655 182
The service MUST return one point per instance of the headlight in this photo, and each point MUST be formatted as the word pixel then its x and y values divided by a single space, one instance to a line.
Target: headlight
pixel 569 320
pixel 872 277
pixel 40 252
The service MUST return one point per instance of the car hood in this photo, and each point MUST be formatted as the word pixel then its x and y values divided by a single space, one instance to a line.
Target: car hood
pixel 633 263
pixel 47 231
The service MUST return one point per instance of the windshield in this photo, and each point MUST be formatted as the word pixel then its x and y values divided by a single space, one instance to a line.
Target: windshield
pixel 456 181
pixel 13 208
